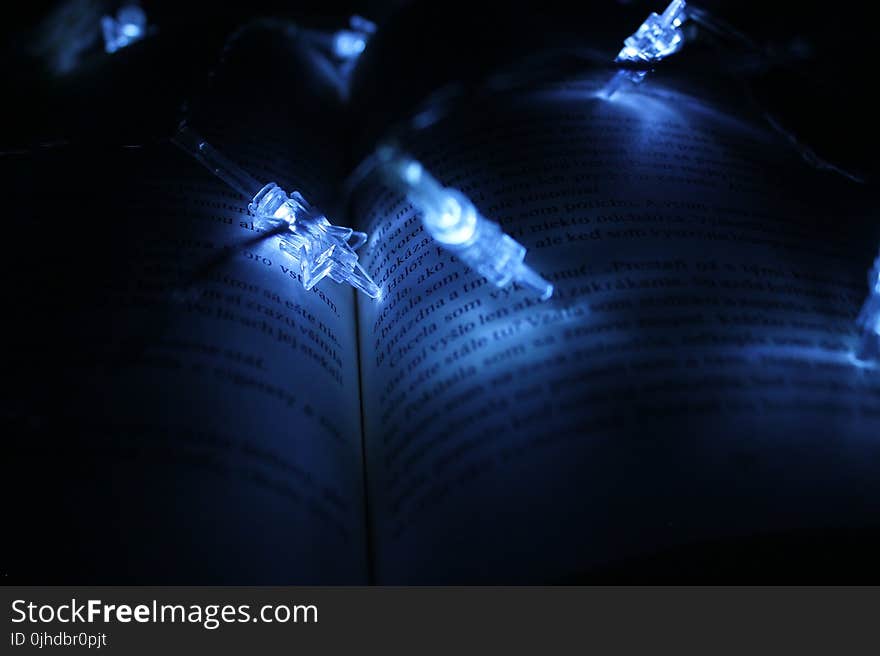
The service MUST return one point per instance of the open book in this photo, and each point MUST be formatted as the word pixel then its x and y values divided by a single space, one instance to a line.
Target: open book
pixel 689 384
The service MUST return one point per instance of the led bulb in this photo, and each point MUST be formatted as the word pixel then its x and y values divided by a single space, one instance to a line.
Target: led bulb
pixel 657 38
pixel 350 43
pixel 456 224
pixel 322 249
pixel 129 25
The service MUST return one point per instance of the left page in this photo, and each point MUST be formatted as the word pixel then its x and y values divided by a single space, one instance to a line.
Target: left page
pixel 185 411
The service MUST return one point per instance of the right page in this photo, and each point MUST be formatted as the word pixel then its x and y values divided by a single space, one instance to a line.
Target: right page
pixel 690 381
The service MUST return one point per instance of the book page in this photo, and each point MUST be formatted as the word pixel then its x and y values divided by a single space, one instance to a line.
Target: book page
pixel 690 381
pixel 185 411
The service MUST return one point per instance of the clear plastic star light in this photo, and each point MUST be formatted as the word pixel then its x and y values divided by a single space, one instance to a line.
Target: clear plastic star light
pixel 129 25
pixel 657 38
pixel 453 221
pixel 869 317
pixel 322 249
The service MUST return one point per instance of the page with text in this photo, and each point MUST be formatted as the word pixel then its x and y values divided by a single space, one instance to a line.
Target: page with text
pixel 202 415
pixel 690 380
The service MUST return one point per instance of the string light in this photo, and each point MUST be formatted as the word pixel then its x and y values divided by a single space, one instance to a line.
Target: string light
pixel 129 25
pixel 350 43
pixel 455 223
pixel 656 39
pixel 322 249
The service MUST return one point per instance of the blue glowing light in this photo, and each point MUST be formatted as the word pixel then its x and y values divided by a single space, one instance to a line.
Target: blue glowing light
pixel 322 249
pixel 347 44
pixel 129 25
pixel 869 318
pixel 453 221
pixel 657 38
pixel 350 43
pixel 620 78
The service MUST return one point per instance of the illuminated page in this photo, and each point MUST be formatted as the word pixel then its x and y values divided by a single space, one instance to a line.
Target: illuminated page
pixel 195 414
pixel 690 380
pixel 205 405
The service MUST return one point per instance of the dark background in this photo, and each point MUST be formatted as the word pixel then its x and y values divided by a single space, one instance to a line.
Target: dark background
pixel 816 80
pixel 817 83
